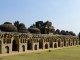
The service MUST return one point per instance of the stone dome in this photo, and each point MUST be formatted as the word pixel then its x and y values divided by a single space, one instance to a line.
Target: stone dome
pixel 34 29
pixel 22 28
pixel 8 27
pixel 51 27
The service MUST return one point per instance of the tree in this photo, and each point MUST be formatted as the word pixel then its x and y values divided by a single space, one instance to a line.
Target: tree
pixel 16 23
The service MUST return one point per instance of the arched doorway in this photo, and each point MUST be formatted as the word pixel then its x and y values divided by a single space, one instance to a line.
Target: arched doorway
pixel 7 49
pixel 73 42
pixel 40 44
pixel 23 47
pixel 59 44
pixel 29 45
pixel 0 46
pixel 46 46
pixel 15 45
pixel 64 43
pixel 35 47
pixel 55 45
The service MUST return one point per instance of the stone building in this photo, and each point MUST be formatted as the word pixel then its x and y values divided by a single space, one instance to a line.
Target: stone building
pixel 39 36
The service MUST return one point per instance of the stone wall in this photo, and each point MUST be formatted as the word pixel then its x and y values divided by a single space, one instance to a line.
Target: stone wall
pixel 21 42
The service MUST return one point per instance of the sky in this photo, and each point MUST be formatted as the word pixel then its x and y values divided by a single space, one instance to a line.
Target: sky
pixel 64 14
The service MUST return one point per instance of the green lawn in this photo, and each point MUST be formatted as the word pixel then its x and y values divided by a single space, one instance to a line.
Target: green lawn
pixel 72 53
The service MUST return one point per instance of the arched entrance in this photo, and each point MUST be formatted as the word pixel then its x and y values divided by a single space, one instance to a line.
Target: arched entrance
pixel 23 47
pixel 7 49
pixel 29 45
pixel 64 43
pixel 46 46
pixel 55 45
pixel 15 45
pixel 35 47
pixel 59 44
pixel 0 46
pixel 40 44
pixel 73 42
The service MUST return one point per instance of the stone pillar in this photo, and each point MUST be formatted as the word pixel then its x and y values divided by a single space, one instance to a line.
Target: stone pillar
pixel 53 44
pixel 67 43
pixel 10 48
pixel 74 42
pixel 38 46
pixel 2 47
pixel 32 45
pixel 26 46
pixel 48 45
pixel 19 46
pixel 43 44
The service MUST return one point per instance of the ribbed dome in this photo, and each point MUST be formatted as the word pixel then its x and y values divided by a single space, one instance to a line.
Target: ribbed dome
pixel 51 27
pixel 22 28
pixel 8 27
pixel 33 29
pixel 7 23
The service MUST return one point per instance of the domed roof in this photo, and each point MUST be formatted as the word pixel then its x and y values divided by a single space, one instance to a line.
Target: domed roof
pixel 47 23
pixel 22 28
pixel 34 29
pixel 7 23
pixel 8 27
pixel 51 27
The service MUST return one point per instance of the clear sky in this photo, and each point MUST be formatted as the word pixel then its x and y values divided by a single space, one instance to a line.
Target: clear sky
pixel 64 14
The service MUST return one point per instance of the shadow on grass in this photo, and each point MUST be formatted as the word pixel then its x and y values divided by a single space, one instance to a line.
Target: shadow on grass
pixel 21 55
pixel 49 50
pixel 38 53
pixel 1 58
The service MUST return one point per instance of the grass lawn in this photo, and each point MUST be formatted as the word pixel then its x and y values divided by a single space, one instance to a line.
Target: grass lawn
pixel 72 53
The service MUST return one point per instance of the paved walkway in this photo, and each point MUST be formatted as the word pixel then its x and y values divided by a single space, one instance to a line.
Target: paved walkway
pixel 30 51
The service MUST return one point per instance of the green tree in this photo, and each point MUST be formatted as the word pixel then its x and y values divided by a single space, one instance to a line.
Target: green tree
pixel 16 23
